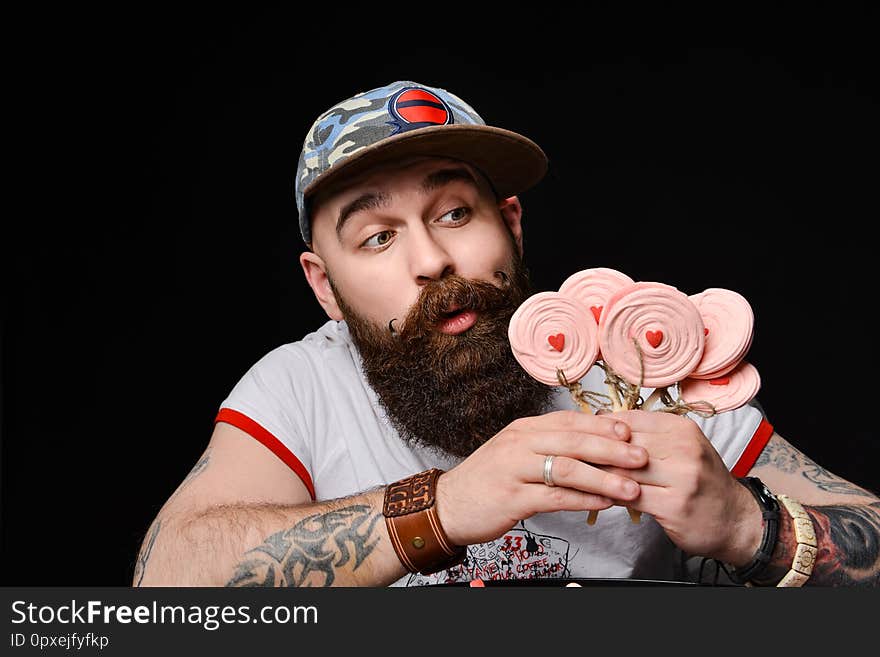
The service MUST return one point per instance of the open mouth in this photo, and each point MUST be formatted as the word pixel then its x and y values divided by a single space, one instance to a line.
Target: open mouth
pixel 456 320
pixel 452 312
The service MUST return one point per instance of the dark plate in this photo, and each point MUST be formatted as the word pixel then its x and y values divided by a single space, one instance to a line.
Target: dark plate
pixel 584 582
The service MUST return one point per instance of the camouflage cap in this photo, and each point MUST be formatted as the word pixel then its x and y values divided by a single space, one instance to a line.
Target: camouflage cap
pixel 403 119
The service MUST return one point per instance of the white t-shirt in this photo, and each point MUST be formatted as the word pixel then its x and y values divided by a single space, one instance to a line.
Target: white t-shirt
pixel 310 403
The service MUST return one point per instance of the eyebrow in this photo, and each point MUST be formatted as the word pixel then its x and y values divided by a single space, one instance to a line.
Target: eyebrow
pixel 445 176
pixel 368 201
pixel 375 200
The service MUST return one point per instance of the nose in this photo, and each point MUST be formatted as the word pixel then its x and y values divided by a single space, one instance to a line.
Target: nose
pixel 429 260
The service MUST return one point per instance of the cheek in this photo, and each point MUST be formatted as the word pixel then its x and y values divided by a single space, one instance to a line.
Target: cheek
pixel 377 296
pixel 485 251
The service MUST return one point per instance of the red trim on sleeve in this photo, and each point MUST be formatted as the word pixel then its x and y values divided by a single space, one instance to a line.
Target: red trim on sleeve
pixel 753 449
pixel 246 424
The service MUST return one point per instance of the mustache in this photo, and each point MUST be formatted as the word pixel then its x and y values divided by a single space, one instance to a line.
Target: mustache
pixel 450 392
pixel 453 292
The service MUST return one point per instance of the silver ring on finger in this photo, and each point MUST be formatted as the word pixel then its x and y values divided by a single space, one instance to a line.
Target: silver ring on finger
pixel 548 470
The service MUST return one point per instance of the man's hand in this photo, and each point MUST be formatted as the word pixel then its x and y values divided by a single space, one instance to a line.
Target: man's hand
pixel 502 482
pixel 688 489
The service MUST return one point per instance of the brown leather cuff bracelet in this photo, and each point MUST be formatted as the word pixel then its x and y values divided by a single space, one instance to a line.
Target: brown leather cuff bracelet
pixel 414 528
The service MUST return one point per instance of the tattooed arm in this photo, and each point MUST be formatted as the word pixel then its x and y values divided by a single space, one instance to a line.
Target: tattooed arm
pixel 846 518
pixel 242 518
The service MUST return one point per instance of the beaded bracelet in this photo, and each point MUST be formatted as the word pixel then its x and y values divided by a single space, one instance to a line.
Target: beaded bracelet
pixel 805 535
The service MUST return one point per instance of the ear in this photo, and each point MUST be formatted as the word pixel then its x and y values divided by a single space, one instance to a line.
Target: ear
pixel 511 212
pixel 316 274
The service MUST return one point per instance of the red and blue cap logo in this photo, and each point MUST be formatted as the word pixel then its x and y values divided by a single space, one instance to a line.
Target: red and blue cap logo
pixel 414 107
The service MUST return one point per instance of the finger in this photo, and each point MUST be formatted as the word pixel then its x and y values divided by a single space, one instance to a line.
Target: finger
pixel 557 498
pixel 588 447
pixel 653 500
pixel 650 476
pixel 607 426
pixel 572 473
pixel 650 421
pixel 659 446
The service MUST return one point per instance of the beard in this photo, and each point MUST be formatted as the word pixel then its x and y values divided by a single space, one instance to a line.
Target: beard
pixel 450 392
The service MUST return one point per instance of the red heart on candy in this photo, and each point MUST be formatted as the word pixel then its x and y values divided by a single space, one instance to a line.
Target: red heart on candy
pixel 654 338
pixel 596 310
pixel 705 331
pixel 557 341
pixel 723 381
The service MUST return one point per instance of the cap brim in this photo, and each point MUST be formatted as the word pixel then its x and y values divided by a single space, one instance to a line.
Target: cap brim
pixel 512 163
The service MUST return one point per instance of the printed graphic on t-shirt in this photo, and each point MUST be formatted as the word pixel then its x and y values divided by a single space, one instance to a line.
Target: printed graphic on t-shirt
pixel 519 554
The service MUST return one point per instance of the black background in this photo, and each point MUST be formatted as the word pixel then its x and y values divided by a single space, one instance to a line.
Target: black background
pixel 155 254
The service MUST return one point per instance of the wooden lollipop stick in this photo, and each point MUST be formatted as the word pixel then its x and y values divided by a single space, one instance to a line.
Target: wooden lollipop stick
pixel 634 516
pixel 654 397
pixel 616 405
pixel 593 515
pixel 584 406
pixel 575 390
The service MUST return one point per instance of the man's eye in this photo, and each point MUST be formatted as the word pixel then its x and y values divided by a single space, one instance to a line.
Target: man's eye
pixel 458 214
pixel 379 239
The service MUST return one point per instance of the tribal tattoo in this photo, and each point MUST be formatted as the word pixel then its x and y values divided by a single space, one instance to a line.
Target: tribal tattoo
pixel 198 469
pixel 779 454
pixel 847 535
pixel 146 550
pixel 311 551
pixel 148 543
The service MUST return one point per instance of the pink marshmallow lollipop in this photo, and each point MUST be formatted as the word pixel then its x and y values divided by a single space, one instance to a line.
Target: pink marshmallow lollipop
pixel 729 323
pixel 735 389
pixel 664 323
pixel 593 287
pixel 550 332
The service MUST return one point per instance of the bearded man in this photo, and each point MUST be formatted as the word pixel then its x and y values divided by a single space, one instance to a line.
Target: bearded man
pixel 401 443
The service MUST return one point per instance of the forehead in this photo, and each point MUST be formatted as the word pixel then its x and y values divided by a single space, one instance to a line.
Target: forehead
pixel 390 177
